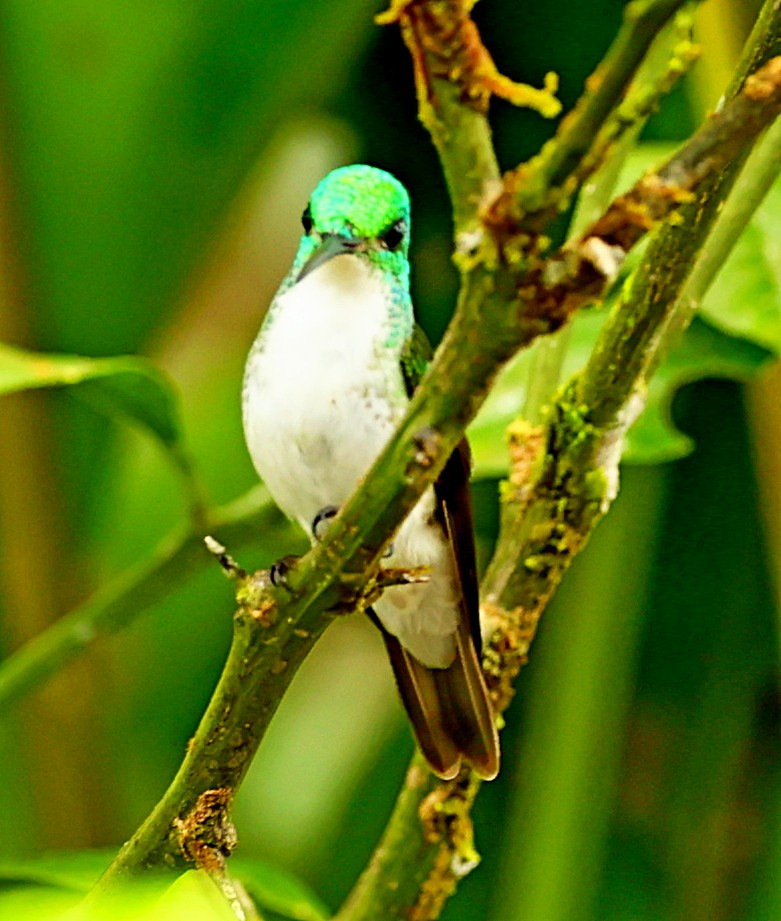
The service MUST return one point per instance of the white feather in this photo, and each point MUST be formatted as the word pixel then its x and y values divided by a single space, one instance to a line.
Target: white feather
pixel 322 395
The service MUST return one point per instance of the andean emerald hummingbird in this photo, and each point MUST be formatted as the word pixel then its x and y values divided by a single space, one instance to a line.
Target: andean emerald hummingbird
pixel 327 380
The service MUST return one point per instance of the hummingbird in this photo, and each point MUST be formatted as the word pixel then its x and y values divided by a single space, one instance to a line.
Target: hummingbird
pixel 327 380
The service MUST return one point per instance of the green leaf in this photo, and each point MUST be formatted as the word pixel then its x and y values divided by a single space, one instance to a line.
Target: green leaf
pixel 704 352
pixel 36 903
pixel 193 895
pixel 75 870
pixel 54 878
pixel 279 891
pixel 125 386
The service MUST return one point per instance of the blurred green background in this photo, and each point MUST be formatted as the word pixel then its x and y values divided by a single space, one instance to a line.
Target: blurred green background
pixel 155 159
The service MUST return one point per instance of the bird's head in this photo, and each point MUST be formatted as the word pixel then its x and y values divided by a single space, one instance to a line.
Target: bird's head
pixel 358 210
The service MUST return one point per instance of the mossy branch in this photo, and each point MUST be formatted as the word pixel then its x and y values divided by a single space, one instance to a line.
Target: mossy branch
pixel 564 477
pixel 181 553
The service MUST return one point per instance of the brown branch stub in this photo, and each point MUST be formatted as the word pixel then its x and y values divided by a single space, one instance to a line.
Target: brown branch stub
pixel 445 44
pixel 229 566
pixel 206 835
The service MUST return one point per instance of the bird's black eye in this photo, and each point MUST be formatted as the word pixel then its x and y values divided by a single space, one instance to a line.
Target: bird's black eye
pixel 306 220
pixel 394 235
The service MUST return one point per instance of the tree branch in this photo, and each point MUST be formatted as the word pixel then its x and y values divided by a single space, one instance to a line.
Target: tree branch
pixel 547 181
pixel 564 477
pixel 580 273
pixel 455 78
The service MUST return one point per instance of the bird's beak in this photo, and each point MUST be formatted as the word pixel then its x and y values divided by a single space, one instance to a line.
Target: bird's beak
pixel 332 244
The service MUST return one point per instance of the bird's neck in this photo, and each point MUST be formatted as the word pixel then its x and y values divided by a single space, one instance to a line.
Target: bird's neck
pixel 346 299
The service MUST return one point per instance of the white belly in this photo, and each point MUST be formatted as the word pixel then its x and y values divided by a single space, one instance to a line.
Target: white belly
pixel 319 407
pixel 319 403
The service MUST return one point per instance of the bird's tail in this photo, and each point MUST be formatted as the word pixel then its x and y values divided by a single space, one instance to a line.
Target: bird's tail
pixel 449 708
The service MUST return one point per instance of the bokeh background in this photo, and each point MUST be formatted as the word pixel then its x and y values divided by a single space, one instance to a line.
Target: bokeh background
pixel 154 162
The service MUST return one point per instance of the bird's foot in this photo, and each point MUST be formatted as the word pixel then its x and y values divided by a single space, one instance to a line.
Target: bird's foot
pixel 391 577
pixel 322 520
pixel 280 569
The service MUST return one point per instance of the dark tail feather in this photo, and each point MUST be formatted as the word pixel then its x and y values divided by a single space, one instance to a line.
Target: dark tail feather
pixel 448 708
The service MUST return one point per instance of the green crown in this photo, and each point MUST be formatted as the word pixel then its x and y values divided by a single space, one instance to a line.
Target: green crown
pixel 360 199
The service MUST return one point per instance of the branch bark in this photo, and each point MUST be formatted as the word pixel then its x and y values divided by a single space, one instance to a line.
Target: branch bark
pixel 563 479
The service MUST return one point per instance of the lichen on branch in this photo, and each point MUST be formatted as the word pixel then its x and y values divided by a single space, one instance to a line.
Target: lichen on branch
pixel 445 45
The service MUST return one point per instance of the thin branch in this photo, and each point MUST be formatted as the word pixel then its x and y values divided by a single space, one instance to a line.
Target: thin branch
pixel 455 78
pixel 533 183
pixel 667 59
pixel 131 594
pixel 580 272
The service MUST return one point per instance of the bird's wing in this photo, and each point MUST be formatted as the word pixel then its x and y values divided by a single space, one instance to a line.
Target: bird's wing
pixel 415 357
pixel 449 708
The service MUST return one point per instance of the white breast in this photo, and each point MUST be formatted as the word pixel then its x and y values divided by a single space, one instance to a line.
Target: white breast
pixel 319 405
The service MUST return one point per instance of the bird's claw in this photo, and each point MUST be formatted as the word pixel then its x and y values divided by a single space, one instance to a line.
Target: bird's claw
pixel 280 569
pixel 322 519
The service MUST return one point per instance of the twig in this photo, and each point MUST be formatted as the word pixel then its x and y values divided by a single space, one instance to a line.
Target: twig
pixel 537 185
pixel 134 592
pixel 229 566
pixel 446 45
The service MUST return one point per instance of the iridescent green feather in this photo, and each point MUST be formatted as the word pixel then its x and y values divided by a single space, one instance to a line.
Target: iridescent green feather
pixel 415 358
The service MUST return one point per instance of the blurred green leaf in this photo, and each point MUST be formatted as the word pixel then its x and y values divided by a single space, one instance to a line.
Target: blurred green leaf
pixel 702 353
pixel 36 903
pixel 191 895
pixel 52 880
pixel 279 891
pixel 76 870
pixel 126 387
